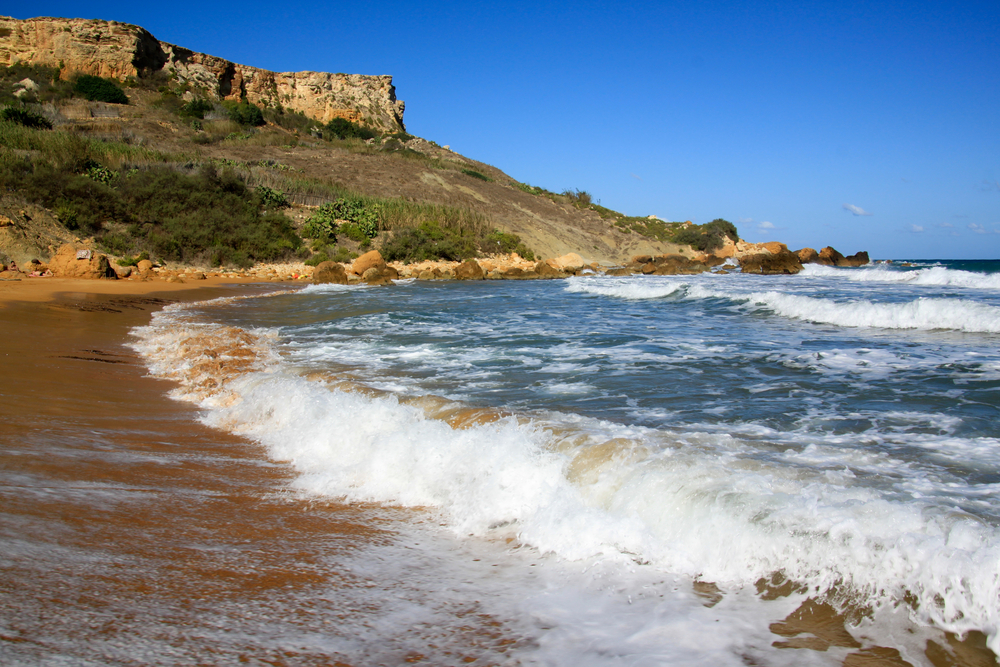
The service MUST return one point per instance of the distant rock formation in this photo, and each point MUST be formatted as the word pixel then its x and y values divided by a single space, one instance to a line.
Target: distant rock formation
pixel 119 50
pixel 829 256
pixel 777 259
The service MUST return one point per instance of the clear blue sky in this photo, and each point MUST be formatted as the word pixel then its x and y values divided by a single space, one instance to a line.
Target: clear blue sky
pixel 863 125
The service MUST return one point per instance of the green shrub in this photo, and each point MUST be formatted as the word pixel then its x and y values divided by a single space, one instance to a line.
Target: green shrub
pixel 133 261
pixel 429 241
pixel 99 89
pixel 341 128
pixel 579 197
pixel 245 113
pixel 364 214
pixel 271 198
pixel 196 108
pixel 332 254
pixel 707 237
pixel 101 174
pixel 353 232
pixel 25 117
pixel 476 174
pixel 497 242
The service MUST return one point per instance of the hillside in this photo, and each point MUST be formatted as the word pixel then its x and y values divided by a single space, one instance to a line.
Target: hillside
pixel 182 113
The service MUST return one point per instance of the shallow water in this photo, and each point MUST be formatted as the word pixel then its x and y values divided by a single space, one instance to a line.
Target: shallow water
pixel 610 445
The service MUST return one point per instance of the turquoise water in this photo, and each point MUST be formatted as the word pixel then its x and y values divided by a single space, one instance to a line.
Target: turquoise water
pixel 840 428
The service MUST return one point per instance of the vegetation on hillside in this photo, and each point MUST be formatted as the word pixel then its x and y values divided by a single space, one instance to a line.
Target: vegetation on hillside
pixel 99 89
pixel 134 200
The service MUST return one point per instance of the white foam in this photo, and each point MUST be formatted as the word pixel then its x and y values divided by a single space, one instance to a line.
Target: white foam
pixel 705 505
pixel 937 276
pixel 626 288
pixel 923 313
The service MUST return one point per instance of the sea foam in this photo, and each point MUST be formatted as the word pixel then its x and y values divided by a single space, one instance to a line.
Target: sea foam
pixel 701 505
pixel 937 276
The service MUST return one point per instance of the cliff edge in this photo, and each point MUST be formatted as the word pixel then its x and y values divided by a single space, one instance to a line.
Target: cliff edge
pixel 120 50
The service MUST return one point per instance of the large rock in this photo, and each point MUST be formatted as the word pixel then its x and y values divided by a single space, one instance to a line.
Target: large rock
pixel 570 263
pixel 371 259
pixel 807 255
pixel 545 269
pixel 68 263
pixel 329 273
pixel 670 265
pixel 119 50
pixel 771 263
pixel 857 259
pixel 469 270
pixel 830 257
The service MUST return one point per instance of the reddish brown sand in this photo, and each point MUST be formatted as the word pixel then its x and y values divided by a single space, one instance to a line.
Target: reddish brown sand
pixel 130 534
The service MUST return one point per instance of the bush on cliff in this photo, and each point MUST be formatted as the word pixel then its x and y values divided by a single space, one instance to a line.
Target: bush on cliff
pixel 707 237
pixel 429 241
pixel 341 128
pixel 99 89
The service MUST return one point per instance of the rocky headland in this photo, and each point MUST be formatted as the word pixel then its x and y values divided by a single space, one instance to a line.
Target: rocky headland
pixel 566 233
pixel 120 50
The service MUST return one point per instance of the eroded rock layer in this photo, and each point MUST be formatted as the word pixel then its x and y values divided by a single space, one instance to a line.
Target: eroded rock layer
pixel 119 50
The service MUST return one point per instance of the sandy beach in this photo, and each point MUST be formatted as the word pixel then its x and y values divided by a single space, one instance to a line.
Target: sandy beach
pixel 133 534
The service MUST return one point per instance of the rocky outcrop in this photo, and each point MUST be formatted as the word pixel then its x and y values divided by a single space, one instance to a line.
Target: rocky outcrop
pixel 119 50
pixel 782 262
pixel 807 255
pixel 829 256
pixel 68 262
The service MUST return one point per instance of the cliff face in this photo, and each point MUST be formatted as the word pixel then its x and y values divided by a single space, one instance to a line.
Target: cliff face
pixel 119 50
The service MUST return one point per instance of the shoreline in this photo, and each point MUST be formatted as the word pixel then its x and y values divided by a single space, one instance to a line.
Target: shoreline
pixel 130 531
pixel 123 517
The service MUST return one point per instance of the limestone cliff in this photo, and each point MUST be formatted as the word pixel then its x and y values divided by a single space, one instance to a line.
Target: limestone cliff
pixel 119 50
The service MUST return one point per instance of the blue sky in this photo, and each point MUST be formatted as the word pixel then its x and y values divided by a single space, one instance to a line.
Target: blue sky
pixel 866 126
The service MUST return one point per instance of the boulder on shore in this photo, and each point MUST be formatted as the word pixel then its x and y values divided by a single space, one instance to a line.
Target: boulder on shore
pixel 371 259
pixel 327 273
pixel 68 263
pixel 545 269
pixel 469 270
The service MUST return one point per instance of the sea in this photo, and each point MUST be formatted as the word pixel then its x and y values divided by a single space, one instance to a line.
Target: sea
pixel 716 469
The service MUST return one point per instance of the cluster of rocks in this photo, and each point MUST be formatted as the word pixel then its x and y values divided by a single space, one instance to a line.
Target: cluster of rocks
pixel 372 269
pixel 775 258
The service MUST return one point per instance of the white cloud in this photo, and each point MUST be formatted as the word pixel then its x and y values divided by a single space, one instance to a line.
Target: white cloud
pixel 636 177
pixel 856 210
pixel 979 229
pixel 766 225
pixel 916 229
pixel 946 225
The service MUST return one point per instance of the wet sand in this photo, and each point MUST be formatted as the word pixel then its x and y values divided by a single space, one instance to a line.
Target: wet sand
pixel 132 534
